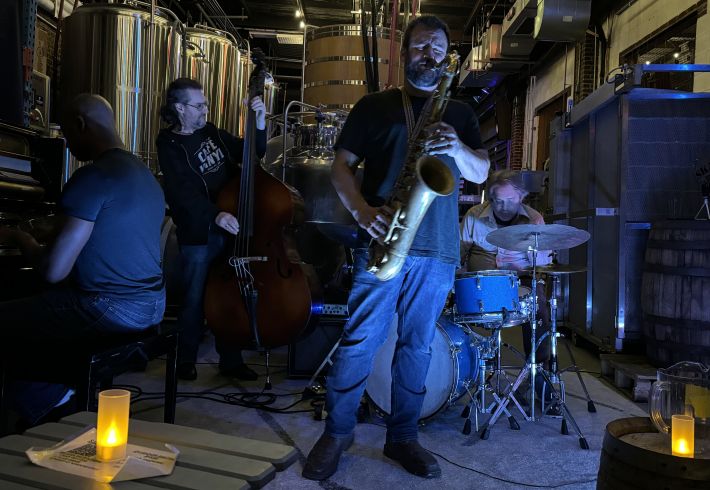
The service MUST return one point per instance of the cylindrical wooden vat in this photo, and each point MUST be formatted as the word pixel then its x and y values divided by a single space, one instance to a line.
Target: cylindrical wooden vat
pixel 335 65
pixel 675 292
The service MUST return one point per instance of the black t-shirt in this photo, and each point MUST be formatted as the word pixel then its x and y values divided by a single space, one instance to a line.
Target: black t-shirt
pixel 123 199
pixel 212 154
pixel 376 131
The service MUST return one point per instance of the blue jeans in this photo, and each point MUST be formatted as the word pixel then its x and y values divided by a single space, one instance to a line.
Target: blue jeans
pixel 196 261
pixel 67 315
pixel 417 294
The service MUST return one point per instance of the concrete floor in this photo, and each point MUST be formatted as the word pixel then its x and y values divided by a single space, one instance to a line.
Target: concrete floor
pixel 537 456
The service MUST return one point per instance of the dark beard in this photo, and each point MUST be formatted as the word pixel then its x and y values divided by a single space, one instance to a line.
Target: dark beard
pixel 421 76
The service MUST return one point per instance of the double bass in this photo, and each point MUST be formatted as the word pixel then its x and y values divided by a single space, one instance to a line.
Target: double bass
pixel 260 295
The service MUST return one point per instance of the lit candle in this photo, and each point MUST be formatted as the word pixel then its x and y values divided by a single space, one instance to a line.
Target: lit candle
pixel 683 435
pixel 112 424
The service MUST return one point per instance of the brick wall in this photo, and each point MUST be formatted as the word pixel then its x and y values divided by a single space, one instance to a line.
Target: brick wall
pixel 585 61
pixel 518 133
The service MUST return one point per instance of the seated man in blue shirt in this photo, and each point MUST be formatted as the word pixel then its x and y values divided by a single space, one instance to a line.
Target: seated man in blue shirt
pixel 106 253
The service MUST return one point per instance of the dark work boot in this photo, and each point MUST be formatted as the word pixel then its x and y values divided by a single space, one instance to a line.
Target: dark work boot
pixel 323 459
pixel 413 458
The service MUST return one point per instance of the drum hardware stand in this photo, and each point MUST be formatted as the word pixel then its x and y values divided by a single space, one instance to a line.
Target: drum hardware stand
pixel 553 377
pixel 527 238
pixel 530 366
pixel 706 215
pixel 313 386
pixel 554 373
pixel 478 398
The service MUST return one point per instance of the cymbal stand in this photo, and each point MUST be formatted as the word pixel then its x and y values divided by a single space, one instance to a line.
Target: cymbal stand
pixel 552 376
pixel 530 366
pixel 554 371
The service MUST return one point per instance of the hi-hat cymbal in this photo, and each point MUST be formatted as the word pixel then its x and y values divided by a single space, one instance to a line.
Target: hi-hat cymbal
pixel 558 269
pixel 521 238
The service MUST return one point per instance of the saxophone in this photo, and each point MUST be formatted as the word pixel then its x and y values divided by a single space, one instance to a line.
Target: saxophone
pixel 422 179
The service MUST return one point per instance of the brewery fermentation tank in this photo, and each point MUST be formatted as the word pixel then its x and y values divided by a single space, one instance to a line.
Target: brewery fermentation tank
pixel 213 58
pixel 334 74
pixel 246 66
pixel 107 52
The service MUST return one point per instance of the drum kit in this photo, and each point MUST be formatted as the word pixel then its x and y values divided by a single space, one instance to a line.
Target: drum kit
pixel 466 362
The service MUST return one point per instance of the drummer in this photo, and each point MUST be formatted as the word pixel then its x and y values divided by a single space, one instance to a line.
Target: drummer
pixel 504 207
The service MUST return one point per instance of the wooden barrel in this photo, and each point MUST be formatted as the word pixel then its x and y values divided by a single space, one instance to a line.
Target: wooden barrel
pixel 675 293
pixel 635 455
pixel 335 67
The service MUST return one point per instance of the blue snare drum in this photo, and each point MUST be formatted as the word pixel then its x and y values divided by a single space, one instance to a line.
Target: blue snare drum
pixel 481 297
pixel 454 367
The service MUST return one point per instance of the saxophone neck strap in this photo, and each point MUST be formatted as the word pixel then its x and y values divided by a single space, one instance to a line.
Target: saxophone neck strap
pixel 414 127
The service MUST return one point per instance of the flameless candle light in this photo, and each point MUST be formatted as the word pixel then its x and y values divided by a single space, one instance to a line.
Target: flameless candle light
pixel 683 435
pixel 112 424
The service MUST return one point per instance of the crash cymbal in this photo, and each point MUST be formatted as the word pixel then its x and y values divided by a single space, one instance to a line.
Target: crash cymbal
pixel 558 269
pixel 521 238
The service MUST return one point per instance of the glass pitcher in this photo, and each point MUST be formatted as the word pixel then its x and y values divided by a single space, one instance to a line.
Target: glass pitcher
pixel 683 389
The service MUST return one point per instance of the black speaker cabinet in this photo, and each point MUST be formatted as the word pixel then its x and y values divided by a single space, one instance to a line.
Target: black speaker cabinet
pixel 305 355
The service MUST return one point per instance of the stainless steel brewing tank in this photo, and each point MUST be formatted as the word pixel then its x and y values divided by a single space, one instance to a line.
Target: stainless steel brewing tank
pixel 213 59
pixel 309 173
pixel 246 67
pixel 106 51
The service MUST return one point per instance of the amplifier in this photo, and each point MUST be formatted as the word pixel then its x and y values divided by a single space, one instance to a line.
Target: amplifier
pixel 335 310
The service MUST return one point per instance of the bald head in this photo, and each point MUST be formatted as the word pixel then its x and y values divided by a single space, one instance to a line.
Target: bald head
pixel 89 127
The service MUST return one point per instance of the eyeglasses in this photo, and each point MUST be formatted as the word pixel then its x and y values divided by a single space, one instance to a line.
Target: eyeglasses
pixel 199 107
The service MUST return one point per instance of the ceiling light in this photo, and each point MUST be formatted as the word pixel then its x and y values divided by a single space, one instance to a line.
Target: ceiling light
pixel 676 55
pixel 648 62
pixel 301 24
pixel 298 13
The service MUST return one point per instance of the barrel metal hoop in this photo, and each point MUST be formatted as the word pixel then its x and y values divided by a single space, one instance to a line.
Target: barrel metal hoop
pixel 677 322
pixel 322 83
pixel 677 271
pixel 349 30
pixel 324 59
pixel 681 225
pixel 701 245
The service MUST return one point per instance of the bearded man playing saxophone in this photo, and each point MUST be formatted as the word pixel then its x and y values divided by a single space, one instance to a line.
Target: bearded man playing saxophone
pixel 377 132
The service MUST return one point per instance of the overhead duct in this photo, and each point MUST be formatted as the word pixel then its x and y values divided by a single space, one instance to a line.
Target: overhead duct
pixel 485 65
pixel 562 20
pixel 518 28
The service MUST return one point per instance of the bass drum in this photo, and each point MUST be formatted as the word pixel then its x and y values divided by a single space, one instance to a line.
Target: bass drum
pixel 454 367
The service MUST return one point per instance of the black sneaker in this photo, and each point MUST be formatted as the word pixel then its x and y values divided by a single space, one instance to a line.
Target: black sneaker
pixel 413 458
pixel 323 459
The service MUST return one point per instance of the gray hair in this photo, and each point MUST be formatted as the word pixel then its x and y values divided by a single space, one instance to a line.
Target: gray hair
pixel 506 177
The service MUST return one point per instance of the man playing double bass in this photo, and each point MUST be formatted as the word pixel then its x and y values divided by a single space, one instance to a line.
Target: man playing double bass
pixel 197 160
pixel 377 132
